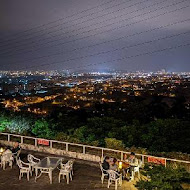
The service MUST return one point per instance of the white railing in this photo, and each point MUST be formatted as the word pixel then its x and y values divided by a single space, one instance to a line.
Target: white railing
pixel 84 148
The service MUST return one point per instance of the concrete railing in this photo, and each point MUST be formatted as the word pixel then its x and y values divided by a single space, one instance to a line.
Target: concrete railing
pixel 49 144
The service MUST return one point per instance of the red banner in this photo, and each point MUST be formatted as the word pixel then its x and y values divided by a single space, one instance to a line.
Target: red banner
pixel 43 142
pixel 157 160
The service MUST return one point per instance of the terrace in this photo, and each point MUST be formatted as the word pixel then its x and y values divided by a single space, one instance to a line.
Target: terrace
pixel 86 176
pixel 87 173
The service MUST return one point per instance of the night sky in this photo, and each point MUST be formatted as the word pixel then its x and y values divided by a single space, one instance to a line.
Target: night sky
pixel 96 35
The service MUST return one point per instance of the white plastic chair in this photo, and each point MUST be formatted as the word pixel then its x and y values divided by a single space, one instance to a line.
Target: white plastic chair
pixel 32 160
pixel 104 172
pixel 65 170
pixel 7 158
pixel 116 177
pixel 24 168
pixel 136 170
pixel 16 155
pixel 70 163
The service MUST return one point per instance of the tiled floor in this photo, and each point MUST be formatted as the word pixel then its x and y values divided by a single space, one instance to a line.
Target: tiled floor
pixel 86 177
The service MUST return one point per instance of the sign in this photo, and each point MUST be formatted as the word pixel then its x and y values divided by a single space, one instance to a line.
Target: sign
pixel 157 160
pixel 43 142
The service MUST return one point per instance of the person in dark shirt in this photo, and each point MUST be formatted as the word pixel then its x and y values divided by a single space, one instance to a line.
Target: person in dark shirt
pixel 16 148
pixel 105 164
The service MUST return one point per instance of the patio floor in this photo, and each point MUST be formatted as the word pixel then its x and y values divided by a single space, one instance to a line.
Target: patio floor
pixel 86 177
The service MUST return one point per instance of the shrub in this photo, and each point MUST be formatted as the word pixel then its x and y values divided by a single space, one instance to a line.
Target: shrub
pixel 114 143
pixel 163 178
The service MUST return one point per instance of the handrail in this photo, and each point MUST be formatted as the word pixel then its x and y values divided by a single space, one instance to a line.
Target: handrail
pixel 93 147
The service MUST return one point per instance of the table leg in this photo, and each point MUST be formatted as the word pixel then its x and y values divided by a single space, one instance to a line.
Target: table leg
pixel 50 176
pixel 36 172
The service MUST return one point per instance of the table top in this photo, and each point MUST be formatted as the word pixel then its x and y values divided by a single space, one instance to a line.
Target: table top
pixel 125 164
pixel 48 163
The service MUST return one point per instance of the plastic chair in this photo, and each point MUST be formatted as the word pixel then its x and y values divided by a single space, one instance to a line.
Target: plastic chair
pixel 136 170
pixel 65 171
pixel 7 158
pixel 70 163
pixel 104 172
pixel 32 160
pixel 16 155
pixel 116 177
pixel 24 168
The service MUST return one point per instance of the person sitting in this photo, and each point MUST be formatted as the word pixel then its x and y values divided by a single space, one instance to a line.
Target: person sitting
pixel 15 148
pixel 113 165
pixel 105 164
pixel 133 162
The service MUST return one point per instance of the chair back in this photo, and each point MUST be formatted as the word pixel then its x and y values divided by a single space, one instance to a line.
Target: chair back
pixel 29 157
pixel 19 163
pixel 112 174
pixel 140 164
pixel 67 167
pixel 101 168
pixel 32 159
pixel 70 162
pixel 7 157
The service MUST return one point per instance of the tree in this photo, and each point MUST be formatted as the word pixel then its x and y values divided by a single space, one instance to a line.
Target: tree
pixel 114 143
pixel 42 129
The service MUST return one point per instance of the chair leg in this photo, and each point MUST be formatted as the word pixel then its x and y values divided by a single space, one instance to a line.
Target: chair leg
pixel 28 175
pixel 59 178
pixel 71 176
pixel 109 182
pixel 31 172
pixel 116 184
pixel 132 175
pixel 102 178
pixel 67 176
pixel 120 181
pixel 20 176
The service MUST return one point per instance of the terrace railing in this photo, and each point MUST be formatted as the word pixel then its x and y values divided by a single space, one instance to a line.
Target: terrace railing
pixel 86 149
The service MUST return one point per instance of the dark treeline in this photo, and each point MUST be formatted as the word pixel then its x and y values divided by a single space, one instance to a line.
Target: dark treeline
pixel 157 124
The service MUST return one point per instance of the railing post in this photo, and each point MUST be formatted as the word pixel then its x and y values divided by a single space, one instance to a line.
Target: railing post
pixel 142 159
pixel 83 149
pixel 36 142
pixel 102 153
pixel 8 138
pixel 121 156
pixel 165 163
pixel 21 139
pixel 51 144
pixel 67 147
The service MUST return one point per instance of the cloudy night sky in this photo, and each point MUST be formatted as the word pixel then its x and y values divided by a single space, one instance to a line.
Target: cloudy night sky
pixel 96 35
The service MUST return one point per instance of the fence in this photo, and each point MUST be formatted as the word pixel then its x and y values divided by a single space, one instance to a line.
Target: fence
pixel 86 149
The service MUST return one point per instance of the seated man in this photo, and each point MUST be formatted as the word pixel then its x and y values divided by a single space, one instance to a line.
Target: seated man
pixel 105 164
pixel 16 148
pixel 133 162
